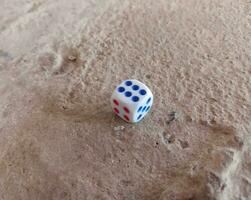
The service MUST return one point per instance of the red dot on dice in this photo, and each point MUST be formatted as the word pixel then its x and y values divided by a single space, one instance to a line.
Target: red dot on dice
pixel 126 110
pixel 115 102
pixel 116 110
pixel 126 117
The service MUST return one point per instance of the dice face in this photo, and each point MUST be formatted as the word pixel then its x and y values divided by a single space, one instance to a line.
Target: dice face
pixel 132 100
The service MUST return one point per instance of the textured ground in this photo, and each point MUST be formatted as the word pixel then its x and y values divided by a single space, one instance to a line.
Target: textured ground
pixel 60 61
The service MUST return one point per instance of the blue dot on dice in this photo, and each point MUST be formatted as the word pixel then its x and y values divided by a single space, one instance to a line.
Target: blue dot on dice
pixel 135 87
pixel 128 94
pixel 135 98
pixel 121 89
pixel 139 117
pixel 140 108
pixel 128 83
pixel 142 92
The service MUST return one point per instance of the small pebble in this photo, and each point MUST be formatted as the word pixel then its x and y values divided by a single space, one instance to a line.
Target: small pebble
pixel 172 116
pixel 223 186
pixel 72 58
pixel 169 138
pixel 148 76
pixel 118 128
pixel 212 122
pixel 156 144
pixel 184 144
pixel 189 118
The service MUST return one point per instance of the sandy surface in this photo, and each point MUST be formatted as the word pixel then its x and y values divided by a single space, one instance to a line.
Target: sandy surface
pixel 60 61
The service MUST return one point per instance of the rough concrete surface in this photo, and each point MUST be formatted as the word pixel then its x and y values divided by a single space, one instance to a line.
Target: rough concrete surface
pixel 60 61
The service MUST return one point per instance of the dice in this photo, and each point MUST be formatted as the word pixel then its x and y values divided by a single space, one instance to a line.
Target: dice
pixel 132 100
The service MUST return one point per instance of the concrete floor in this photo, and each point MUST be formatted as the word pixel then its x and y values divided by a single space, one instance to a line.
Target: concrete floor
pixel 61 60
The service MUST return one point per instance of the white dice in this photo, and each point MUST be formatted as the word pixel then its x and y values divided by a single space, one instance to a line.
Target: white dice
pixel 132 100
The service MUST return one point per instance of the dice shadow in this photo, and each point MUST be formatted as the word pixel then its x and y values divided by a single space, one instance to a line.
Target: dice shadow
pixel 91 113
